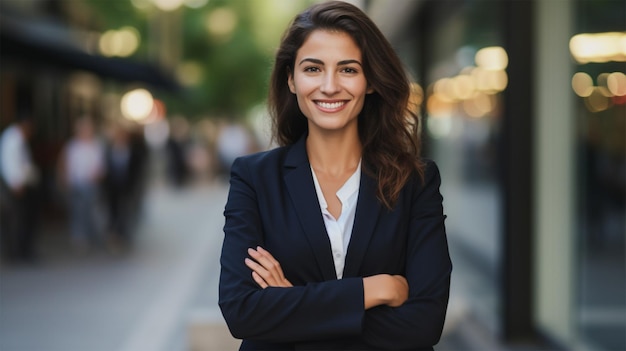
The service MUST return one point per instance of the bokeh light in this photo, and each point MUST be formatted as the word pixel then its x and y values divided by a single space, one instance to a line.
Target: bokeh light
pixel 598 47
pixel 472 90
pixel 123 42
pixel 582 84
pixel 137 104
pixel 190 73
pixel 195 4
pixel 416 98
pixel 597 101
pixel 616 83
pixel 168 5
pixel 221 22
pixel 492 58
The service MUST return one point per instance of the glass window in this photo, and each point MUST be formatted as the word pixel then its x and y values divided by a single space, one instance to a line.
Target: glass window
pixel 600 85
pixel 465 74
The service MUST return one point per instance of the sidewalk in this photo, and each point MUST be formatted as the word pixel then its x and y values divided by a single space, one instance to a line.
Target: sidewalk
pixel 131 302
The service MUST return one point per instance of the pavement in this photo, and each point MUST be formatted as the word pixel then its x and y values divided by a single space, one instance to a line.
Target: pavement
pixel 154 297
pixel 162 295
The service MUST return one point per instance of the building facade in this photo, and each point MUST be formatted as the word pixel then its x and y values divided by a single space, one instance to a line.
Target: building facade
pixel 524 109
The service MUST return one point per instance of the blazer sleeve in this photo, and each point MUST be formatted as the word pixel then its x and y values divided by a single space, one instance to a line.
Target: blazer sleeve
pixel 418 323
pixel 315 311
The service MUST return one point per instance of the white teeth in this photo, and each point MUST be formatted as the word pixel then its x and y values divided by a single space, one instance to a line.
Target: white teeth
pixel 330 105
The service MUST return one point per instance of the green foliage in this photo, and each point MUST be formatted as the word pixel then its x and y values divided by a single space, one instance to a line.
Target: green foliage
pixel 234 69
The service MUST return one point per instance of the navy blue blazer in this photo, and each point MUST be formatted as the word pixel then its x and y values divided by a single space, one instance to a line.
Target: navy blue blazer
pixel 272 203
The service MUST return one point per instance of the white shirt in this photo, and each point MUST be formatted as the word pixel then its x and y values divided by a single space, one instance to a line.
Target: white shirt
pixel 232 142
pixel 85 160
pixel 17 166
pixel 340 230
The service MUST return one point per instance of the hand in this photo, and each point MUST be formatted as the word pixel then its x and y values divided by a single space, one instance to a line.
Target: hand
pixel 385 289
pixel 266 271
pixel 400 291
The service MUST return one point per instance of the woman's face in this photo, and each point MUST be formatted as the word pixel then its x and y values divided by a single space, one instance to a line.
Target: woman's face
pixel 328 81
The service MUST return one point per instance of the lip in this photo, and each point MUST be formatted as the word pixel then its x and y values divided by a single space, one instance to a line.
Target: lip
pixel 330 105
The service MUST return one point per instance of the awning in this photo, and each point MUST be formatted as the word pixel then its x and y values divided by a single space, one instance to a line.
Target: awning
pixel 26 40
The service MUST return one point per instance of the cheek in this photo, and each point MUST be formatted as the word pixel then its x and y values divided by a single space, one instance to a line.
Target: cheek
pixel 360 88
pixel 303 86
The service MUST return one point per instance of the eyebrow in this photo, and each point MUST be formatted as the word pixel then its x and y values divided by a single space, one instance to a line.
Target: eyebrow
pixel 320 62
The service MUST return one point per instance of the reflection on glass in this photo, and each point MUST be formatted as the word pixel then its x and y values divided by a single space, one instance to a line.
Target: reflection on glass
pixel 601 171
pixel 598 47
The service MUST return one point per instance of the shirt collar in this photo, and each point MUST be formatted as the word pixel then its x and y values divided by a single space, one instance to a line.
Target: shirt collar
pixel 349 188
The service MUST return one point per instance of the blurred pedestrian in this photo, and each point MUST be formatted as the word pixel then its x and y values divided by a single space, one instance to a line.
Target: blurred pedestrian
pixel 336 239
pixel 19 178
pixel 233 141
pixel 82 169
pixel 125 160
pixel 176 147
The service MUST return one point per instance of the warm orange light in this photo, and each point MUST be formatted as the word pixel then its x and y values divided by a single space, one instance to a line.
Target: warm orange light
pixel 616 83
pixel 437 107
pixel 479 105
pixel 582 84
pixel 137 104
pixel 463 87
pixel 444 89
pixel 598 47
pixel 416 98
pixel 597 102
pixel 492 58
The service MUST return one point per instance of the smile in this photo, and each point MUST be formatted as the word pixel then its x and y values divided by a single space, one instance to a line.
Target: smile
pixel 330 105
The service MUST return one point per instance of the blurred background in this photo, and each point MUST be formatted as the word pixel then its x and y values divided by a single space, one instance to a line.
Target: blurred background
pixel 120 118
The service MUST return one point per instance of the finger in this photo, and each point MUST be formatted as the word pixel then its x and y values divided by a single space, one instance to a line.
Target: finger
pixel 261 271
pixel 275 264
pixel 253 265
pixel 266 253
pixel 268 262
pixel 266 266
pixel 259 280
pixel 263 257
pixel 256 267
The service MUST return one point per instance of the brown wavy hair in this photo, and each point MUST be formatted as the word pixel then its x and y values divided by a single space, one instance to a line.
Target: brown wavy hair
pixel 388 128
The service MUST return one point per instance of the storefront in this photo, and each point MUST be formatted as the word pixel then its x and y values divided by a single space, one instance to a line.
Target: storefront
pixel 49 74
pixel 525 113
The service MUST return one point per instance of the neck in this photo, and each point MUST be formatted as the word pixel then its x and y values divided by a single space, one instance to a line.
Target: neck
pixel 334 154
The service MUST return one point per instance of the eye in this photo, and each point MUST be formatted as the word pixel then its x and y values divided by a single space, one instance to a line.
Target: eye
pixel 311 69
pixel 349 70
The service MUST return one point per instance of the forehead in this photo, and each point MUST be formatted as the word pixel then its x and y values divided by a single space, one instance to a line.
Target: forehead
pixel 331 45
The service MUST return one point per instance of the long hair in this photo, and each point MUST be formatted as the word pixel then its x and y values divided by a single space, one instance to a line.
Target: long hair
pixel 388 128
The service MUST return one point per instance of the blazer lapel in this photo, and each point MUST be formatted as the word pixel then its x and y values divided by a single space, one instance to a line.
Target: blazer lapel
pixel 301 189
pixel 367 211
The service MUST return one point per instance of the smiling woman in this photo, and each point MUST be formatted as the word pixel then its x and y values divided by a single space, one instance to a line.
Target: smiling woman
pixel 336 240
pixel 329 83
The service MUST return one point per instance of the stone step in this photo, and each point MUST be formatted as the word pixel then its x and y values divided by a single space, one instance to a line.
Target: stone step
pixel 210 336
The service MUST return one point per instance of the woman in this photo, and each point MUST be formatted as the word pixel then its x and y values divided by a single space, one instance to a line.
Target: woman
pixel 336 239
pixel 82 168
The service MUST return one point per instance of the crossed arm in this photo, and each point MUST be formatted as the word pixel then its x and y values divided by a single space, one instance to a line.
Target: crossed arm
pixel 268 308
pixel 380 289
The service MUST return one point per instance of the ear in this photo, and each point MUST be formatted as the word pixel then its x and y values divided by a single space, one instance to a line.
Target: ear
pixel 369 89
pixel 292 85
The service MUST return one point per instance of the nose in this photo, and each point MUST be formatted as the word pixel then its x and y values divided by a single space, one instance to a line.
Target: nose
pixel 329 85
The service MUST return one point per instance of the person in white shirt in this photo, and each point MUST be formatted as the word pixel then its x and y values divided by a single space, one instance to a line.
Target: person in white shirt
pixel 82 167
pixel 18 180
pixel 233 141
